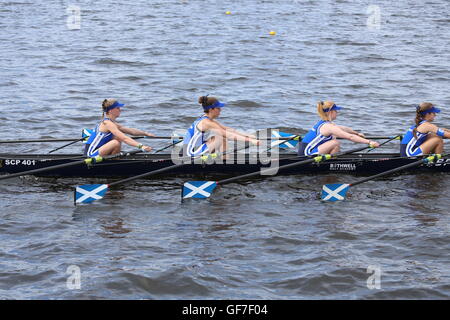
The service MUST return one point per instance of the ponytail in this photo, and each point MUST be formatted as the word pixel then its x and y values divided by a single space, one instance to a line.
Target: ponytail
pixel 203 100
pixel 320 106
pixel 206 102
pixel 324 105
pixel 419 115
pixel 104 106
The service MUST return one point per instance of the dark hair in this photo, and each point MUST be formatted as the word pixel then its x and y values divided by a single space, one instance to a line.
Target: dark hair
pixel 206 101
pixel 424 106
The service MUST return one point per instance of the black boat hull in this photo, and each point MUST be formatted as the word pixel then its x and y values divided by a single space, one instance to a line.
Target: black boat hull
pixel 358 164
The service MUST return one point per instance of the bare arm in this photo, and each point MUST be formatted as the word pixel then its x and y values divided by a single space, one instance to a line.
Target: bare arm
pixel 236 131
pixel 224 131
pixel 134 132
pixel 446 133
pixel 429 127
pixel 351 131
pixel 119 135
pixel 332 129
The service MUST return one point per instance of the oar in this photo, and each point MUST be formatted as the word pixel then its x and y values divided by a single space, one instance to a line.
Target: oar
pixel 283 135
pixel 89 193
pixel 133 137
pixel 66 145
pixel 37 140
pixel 137 161
pixel 338 191
pixel 203 189
pixel 398 137
pixel 87 161
pixel 85 134
pixel 167 147
pixel 160 137
pixel 76 140
pixel 288 137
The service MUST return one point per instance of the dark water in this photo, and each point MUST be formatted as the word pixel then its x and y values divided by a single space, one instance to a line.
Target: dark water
pixel 261 239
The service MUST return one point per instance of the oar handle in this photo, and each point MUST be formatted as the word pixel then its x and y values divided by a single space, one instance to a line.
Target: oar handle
pixel 387 141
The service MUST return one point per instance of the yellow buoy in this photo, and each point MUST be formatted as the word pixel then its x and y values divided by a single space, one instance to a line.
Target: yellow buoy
pixel 228 12
pixel 272 33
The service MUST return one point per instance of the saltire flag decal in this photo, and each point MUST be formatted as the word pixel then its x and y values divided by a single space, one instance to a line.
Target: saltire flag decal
pixel 90 192
pixel 85 134
pixel 198 189
pixel 334 192
pixel 287 144
pixel 177 135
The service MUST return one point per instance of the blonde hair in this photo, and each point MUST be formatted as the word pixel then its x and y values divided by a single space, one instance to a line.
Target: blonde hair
pixel 107 103
pixel 324 105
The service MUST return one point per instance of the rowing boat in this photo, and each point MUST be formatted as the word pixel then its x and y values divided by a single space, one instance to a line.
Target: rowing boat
pixel 358 164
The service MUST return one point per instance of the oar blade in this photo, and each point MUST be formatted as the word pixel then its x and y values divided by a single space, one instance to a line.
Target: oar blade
pixel 198 189
pixel 287 144
pixel 90 192
pixel 85 134
pixel 334 192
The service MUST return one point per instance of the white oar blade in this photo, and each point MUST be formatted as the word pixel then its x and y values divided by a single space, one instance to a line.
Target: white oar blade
pixel 198 189
pixel 287 144
pixel 334 192
pixel 90 192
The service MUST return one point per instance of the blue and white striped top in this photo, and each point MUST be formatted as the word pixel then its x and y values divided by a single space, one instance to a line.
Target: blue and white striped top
pixel 313 139
pixel 409 146
pixel 98 139
pixel 195 140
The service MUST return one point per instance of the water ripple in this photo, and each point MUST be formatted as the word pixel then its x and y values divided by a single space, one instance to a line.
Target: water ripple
pixel 254 239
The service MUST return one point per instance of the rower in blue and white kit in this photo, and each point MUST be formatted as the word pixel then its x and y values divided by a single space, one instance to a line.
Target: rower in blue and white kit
pixel 424 137
pixel 207 135
pixel 108 134
pixel 321 139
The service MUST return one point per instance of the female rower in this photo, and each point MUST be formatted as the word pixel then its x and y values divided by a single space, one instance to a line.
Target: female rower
pixel 321 139
pixel 206 134
pixel 108 134
pixel 424 137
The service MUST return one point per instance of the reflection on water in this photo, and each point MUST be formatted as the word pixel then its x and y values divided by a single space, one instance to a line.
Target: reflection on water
pixel 424 193
pixel 113 228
